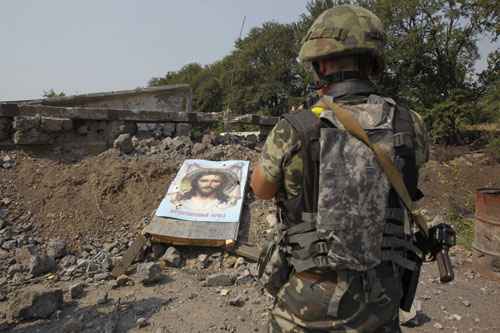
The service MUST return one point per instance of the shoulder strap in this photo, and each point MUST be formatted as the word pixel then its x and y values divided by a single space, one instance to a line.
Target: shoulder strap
pixel 354 128
pixel 307 126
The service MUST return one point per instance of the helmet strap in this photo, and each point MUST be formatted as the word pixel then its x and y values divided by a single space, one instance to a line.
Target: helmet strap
pixel 329 79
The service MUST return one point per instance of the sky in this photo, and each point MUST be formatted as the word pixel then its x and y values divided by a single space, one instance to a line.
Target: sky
pixel 103 45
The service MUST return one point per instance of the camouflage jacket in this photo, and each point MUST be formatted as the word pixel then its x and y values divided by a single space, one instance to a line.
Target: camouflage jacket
pixel 283 167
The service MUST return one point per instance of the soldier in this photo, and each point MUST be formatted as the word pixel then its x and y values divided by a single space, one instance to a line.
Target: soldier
pixel 343 258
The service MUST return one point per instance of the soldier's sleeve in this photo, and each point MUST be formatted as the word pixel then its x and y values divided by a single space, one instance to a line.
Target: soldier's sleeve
pixel 422 140
pixel 280 141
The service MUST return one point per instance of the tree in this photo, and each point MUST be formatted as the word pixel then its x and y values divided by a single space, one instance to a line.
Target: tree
pixel 52 93
pixel 264 76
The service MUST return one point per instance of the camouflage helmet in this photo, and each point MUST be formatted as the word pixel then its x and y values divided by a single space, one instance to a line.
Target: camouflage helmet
pixel 344 30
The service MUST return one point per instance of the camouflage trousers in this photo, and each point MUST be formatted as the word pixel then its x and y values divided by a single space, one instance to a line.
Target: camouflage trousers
pixel 339 302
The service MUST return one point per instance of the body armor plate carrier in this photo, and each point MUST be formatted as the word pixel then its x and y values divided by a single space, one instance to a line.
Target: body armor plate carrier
pixel 347 216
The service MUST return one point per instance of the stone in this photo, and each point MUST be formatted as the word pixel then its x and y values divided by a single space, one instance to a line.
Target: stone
pixel 229 262
pixel 3 223
pixel 438 326
pixel 208 139
pixel 41 264
pixel 77 290
pixel 102 276
pixel 124 143
pixel 10 244
pixel 271 220
pixel 51 124
pixel 72 326
pixel 172 257
pixel 199 148
pixel 36 304
pixel 123 280
pixel 56 248
pixel 244 277
pixel 142 322
pixel 149 273
pixel 158 250
pixel 4 254
pixel 68 261
pixel 16 268
pixel 239 262
pixel 220 280
pixel 183 129
pixel 102 298
pixel 237 301
pixel 203 260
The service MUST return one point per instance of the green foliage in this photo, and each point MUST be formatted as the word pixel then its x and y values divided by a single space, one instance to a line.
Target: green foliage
pixel 51 93
pixel 430 56
pixel 208 92
pixel 447 120
pixel 494 148
pixel 463 227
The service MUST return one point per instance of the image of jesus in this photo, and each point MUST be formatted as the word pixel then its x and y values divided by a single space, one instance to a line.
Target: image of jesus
pixel 206 193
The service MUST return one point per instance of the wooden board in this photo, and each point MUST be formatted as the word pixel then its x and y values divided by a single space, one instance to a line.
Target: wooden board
pixel 192 231
pixel 129 256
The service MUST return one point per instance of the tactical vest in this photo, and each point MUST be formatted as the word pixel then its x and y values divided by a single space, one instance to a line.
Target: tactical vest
pixel 347 216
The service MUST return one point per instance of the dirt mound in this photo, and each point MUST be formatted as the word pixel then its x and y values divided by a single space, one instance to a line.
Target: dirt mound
pixel 100 197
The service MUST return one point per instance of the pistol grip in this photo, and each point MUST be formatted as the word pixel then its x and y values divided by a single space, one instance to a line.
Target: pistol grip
pixel 444 265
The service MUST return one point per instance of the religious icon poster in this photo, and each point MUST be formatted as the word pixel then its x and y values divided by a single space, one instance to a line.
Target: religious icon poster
pixel 206 191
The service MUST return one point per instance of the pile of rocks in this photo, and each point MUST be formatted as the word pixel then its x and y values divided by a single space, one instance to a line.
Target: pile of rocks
pixel 211 147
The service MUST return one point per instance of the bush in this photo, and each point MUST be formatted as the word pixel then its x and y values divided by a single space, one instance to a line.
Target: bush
pixel 493 148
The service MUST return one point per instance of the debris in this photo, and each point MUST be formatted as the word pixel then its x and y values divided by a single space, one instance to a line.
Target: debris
pixel 149 273
pixel 158 250
pixel 123 280
pixel 76 291
pixel 142 322
pixel 225 292
pixel 56 248
pixel 239 262
pixel 244 277
pixel 220 280
pixel 102 276
pixel 102 298
pixel 172 257
pixel 124 143
pixel 36 304
pixel 41 264
pixel 72 326
pixel 203 261
pixel 438 326
pixel 229 262
pixel 237 301
pixel 67 261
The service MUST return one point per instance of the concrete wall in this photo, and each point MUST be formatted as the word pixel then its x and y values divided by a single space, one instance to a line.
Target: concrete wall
pixel 172 98
pixel 97 119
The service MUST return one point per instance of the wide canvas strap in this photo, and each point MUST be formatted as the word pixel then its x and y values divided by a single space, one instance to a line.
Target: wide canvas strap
pixel 394 176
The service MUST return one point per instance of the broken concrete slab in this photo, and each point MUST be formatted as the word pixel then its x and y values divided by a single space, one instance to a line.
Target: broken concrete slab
pixel 36 304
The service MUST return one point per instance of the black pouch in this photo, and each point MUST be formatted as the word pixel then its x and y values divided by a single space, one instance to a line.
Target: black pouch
pixel 409 280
